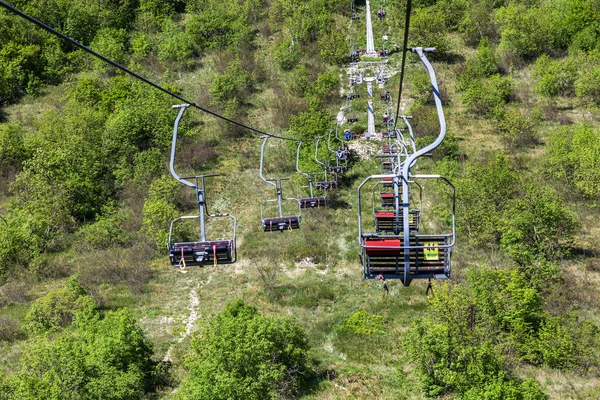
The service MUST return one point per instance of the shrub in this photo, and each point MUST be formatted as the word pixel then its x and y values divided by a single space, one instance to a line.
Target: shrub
pixel 572 156
pixel 10 329
pixel 537 224
pixel 334 48
pixel 482 195
pixel 235 83
pixel 362 324
pixel 111 43
pixel 454 348
pixel 556 78
pixel 105 358
pixel 488 97
pixel 243 355
pixel 159 210
pixel 57 309
pixel 287 54
pixel 107 231
pixel 516 129
pixel 174 45
pixel 428 29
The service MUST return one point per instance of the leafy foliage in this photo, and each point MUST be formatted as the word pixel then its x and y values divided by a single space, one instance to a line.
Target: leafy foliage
pixel 244 355
pixel 57 309
pixel 105 358
pixel 572 156
pixel 456 350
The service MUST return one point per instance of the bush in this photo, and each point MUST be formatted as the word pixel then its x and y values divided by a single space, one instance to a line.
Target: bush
pixel 241 354
pixel 572 156
pixel 428 29
pixel 105 358
pixel 57 309
pixel 174 45
pixel 159 210
pixel 112 44
pixel 556 78
pixel 287 54
pixel 455 347
pixel 516 129
pixel 107 231
pixel 536 225
pixel 10 329
pixel 488 97
pixel 235 83
pixel 482 195
pixel 362 324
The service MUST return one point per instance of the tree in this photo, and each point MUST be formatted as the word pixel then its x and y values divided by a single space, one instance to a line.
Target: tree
pixel 57 309
pixel 456 348
pixel 483 194
pixel 536 225
pixel 106 358
pixel 241 354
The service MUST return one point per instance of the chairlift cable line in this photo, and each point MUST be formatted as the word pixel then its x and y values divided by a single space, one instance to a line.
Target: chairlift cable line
pixel 145 80
pixel 403 65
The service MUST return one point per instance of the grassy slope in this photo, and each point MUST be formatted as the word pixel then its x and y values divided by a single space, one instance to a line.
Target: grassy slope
pixel 317 277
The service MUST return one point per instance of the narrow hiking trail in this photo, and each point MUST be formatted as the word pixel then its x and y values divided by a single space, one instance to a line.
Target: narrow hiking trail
pixel 193 316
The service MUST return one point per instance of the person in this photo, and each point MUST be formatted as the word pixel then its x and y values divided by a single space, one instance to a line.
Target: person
pixel 347 134
pixel 385 287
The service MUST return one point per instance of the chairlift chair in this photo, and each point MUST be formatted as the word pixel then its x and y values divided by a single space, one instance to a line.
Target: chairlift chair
pixel 279 223
pixel 409 255
pixel 391 221
pixel 312 201
pixel 341 154
pixel 203 251
pixel 351 118
pixel 326 184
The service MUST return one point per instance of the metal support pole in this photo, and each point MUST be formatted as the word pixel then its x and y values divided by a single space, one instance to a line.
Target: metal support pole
pixel 413 157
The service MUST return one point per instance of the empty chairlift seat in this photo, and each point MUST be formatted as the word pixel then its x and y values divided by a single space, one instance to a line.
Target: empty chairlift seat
pixel 281 223
pixel 386 166
pixel 312 202
pixel 387 199
pixel 326 185
pixel 201 253
pixel 338 169
pixel 385 256
pixel 385 221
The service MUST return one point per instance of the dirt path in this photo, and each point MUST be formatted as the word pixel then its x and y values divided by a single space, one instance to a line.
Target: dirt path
pixel 194 316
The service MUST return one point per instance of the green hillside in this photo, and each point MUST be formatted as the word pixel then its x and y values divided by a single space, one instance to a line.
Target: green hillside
pixel 90 306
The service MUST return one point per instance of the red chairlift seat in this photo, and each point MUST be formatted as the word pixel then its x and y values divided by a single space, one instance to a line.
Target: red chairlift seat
pixel 385 221
pixel 312 202
pixel 387 200
pixel 281 223
pixel 201 253
pixel 385 256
